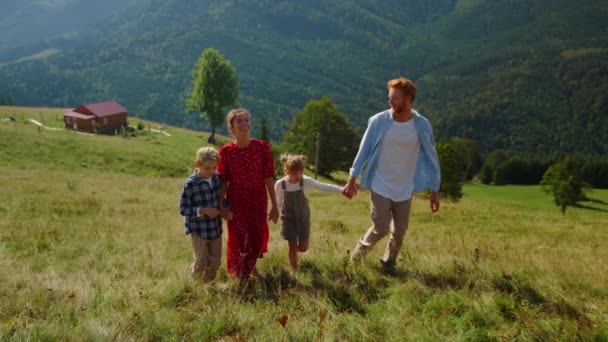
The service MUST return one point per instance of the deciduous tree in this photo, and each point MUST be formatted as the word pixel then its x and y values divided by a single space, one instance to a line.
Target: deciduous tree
pixel 337 138
pixel 563 182
pixel 214 87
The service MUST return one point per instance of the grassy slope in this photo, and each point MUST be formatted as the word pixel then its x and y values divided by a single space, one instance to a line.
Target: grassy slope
pixel 103 257
pixel 153 154
pixel 533 197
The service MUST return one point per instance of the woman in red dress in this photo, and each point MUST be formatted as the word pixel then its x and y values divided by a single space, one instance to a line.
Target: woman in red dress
pixel 247 169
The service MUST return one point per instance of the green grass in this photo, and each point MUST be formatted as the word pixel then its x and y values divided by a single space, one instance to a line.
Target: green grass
pixel 98 253
pixel 532 197
pixel 24 145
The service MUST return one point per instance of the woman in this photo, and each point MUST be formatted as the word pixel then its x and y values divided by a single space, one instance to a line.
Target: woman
pixel 247 169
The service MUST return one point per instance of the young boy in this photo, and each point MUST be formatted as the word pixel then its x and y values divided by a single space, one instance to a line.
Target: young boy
pixel 199 204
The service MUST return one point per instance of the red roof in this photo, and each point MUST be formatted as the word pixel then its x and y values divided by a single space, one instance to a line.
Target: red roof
pixel 78 115
pixel 101 109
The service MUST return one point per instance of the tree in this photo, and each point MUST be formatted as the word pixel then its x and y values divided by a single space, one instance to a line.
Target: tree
pixel 520 169
pixel 264 134
pixel 470 153
pixel 490 164
pixel 563 182
pixel 594 170
pixel 514 170
pixel 338 138
pixel 452 174
pixel 214 87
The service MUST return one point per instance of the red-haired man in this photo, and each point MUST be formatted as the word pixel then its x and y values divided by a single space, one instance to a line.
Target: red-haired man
pixel 399 155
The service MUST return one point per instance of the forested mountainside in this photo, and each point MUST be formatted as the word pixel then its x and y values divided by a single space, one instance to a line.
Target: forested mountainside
pixel 513 74
pixel 30 26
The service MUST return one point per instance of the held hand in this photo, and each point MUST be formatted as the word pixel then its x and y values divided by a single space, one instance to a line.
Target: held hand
pixel 210 212
pixel 273 215
pixel 355 190
pixel 434 201
pixel 345 193
pixel 350 189
pixel 349 192
pixel 226 213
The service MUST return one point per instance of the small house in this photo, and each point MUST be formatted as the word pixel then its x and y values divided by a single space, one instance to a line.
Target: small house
pixel 101 117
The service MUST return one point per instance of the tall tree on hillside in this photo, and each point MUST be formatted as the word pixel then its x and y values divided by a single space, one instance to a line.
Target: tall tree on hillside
pixel 338 140
pixel 214 87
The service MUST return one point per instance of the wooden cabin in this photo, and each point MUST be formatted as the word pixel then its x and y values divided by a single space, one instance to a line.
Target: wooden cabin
pixel 101 117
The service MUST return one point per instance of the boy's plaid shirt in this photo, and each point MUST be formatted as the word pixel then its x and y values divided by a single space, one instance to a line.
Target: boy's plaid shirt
pixel 199 193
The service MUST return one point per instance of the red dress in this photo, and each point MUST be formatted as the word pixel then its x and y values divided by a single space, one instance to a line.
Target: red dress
pixel 244 169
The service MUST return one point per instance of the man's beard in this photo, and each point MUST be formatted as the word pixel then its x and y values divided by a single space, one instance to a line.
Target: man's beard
pixel 398 109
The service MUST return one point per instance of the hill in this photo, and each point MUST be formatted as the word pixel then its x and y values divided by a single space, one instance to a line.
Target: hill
pixel 24 146
pixel 501 72
pixel 58 24
pixel 92 248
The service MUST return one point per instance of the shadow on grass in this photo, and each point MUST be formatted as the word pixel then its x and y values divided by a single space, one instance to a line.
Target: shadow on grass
pixel 268 286
pixel 345 287
pixel 597 201
pixel 523 294
pixel 526 295
pixel 457 276
pixel 517 289
pixel 445 281
pixel 461 278
pixel 272 284
pixel 582 206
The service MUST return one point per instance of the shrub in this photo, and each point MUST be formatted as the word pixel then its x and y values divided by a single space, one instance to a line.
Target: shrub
pixel 452 176
pixel 490 164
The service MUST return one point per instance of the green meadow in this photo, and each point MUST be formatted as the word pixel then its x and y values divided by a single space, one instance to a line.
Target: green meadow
pixel 92 248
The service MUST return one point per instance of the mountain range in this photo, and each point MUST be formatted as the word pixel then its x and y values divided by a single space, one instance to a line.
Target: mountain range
pixel 521 75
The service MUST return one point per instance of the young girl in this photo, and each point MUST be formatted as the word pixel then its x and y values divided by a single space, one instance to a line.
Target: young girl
pixel 291 193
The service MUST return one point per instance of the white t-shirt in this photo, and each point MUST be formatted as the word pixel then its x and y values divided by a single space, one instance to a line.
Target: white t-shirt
pixel 210 182
pixel 309 184
pixel 394 176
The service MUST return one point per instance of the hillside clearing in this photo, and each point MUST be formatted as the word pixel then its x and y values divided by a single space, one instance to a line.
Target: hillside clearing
pixel 92 248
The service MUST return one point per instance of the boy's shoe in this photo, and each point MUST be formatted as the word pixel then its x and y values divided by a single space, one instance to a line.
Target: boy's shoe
pixel 388 267
pixel 358 253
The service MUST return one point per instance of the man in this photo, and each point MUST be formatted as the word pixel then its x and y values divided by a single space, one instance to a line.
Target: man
pixel 398 149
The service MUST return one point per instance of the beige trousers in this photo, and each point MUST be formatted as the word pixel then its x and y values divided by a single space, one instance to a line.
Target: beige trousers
pixel 207 258
pixel 383 210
